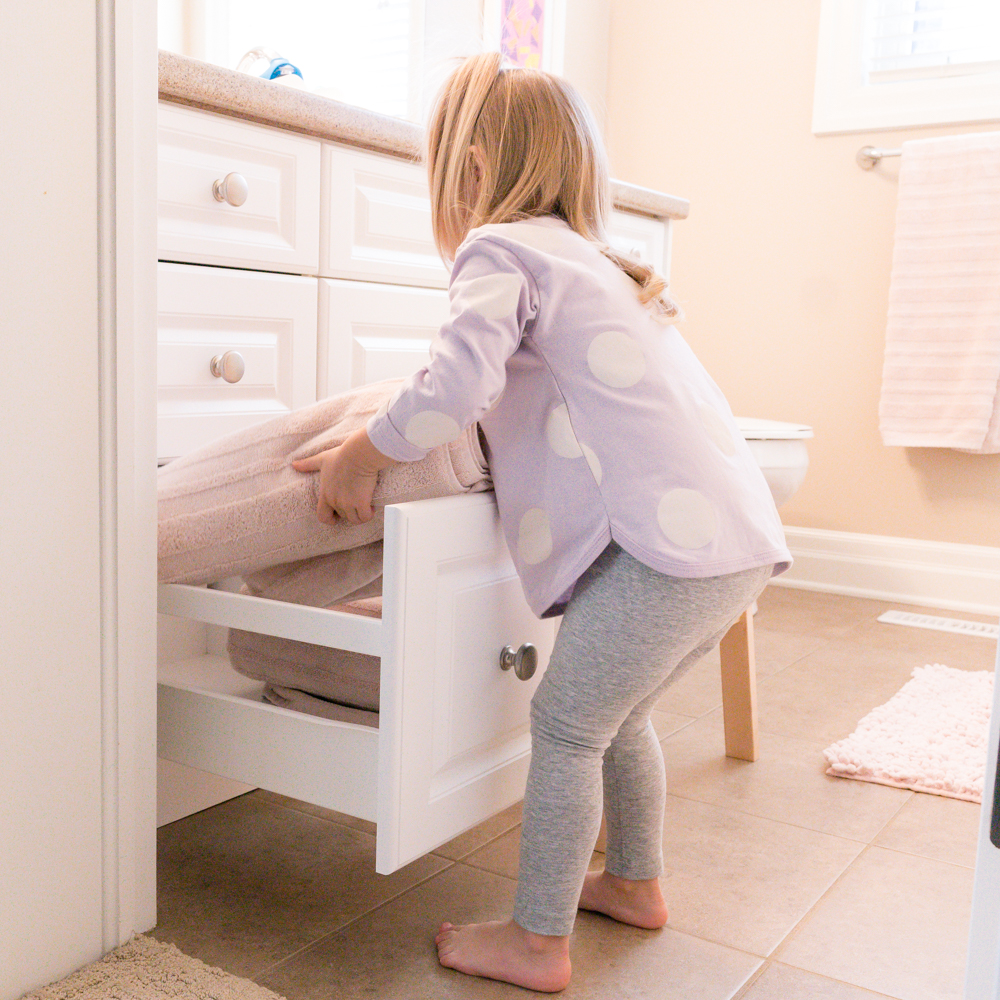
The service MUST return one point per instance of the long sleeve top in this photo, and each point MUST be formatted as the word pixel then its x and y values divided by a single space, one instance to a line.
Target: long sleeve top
pixel 600 422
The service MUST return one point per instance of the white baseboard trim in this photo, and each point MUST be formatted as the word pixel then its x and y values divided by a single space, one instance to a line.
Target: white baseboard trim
pixel 901 570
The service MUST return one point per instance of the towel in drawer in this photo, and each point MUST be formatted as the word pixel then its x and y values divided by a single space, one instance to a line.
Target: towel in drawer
pixel 332 683
pixel 235 506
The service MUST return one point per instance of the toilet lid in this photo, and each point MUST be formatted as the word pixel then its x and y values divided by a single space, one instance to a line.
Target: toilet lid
pixel 756 429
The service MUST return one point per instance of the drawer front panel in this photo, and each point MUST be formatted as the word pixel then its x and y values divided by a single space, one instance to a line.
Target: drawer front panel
pixel 454 740
pixel 276 228
pixel 377 220
pixel 370 332
pixel 268 319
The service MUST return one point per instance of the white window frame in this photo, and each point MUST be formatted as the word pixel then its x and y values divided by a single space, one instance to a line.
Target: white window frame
pixel 844 102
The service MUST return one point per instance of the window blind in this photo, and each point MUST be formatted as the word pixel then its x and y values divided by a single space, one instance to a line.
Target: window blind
pixel 914 39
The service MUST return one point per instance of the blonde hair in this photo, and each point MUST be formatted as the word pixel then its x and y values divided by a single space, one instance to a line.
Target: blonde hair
pixel 539 153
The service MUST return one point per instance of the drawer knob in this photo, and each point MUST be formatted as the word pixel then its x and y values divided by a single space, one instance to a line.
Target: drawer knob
pixel 524 660
pixel 233 188
pixel 229 366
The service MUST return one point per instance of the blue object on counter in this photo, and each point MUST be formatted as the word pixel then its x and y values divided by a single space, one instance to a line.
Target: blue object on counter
pixel 281 67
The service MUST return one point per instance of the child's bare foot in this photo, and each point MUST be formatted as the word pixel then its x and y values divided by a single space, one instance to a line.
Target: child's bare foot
pixel 506 951
pixel 638 903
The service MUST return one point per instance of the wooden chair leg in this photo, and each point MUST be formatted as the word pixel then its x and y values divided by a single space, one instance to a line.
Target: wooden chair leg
pixel 739 689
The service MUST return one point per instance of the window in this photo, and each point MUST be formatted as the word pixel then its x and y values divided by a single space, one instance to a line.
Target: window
pixel 384 55
pixel 897 63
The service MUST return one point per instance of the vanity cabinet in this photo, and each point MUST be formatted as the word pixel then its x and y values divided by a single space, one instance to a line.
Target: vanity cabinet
pixel 292 269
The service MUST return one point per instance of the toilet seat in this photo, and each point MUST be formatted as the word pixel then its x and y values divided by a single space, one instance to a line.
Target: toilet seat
pixel 757 429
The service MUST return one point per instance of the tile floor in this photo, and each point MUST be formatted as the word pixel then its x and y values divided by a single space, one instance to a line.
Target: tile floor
pixel 783 883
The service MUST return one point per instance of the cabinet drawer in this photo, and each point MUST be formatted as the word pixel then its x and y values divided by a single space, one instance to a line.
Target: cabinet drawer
pixel 369 332
pixel 376 221
pixel 452 745
pixel 641 237
pixel 204 312
pixel 276 228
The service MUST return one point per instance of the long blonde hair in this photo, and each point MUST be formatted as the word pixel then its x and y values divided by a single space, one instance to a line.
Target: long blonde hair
pixel 540 153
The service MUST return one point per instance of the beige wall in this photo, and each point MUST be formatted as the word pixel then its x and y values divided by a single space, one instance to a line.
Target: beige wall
pixel 783 265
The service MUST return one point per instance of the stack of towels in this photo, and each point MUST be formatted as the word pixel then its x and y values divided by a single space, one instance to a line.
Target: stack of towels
pixel 941 380
pixel 236 507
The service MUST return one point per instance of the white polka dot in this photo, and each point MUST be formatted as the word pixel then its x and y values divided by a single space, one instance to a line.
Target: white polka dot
pixel 593 462
pixel 616 359
pixel 559 432
pixel 687 518
pixel 534 537
pixel 717 430
pixel 430 428
pixel 382 410
pixel 493 296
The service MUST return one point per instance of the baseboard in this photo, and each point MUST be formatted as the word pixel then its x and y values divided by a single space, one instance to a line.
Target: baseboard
pixel 902 570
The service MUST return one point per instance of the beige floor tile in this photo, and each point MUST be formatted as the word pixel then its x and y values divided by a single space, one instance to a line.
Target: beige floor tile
pixel 934 827
pixel 786 783
pixel 465 843
pixel 966 652
pixel 895 923
pixel 390 954
pixel 826 694
pixel 774 650
pixel 501 856
pixel 665 723
pixel 697 692
pixel 788 609
pixel 782 982
pixel 331 815
pixel 741 880
pixel 700 689
pixel 247 883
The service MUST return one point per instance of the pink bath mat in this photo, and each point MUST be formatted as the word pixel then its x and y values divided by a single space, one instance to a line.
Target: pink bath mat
pixel 930 737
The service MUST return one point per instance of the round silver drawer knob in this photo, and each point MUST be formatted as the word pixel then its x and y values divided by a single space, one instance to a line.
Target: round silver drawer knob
pixel 524 660
pixel 232 189
pixel 229 366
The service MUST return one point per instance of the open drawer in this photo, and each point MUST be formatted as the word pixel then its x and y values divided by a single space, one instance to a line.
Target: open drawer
pixel 452 746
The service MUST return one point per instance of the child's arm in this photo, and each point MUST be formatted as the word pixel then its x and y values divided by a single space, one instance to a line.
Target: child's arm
pixel 493 298
pixel 347 477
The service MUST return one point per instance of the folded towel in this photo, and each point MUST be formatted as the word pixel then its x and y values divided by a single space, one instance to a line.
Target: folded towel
pixel 323 581
pixel 302 701
pixel 337 675
pixel 236 506
pixel 942 353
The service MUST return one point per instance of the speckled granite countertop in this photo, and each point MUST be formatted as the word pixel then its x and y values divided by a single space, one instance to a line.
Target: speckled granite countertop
pixel 203 85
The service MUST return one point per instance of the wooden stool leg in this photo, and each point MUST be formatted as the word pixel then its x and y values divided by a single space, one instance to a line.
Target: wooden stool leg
pixel 739 689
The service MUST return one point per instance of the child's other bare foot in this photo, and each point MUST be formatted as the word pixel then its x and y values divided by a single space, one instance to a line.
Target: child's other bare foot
pixel 637 903
pixel 504 950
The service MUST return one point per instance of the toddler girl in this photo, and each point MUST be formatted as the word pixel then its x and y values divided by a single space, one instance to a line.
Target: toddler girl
pixel 630 502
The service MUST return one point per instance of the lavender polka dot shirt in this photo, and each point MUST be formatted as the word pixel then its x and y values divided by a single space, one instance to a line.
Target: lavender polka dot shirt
pixel 600 422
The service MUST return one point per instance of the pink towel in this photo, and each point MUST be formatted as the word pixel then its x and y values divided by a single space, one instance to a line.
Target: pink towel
pixel 294 669
pixel 942 353
pixel 236 506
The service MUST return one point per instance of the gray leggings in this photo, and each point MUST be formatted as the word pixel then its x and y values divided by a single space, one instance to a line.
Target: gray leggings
pixel 628 631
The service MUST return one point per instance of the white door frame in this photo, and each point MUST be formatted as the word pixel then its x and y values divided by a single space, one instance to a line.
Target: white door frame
pixel 982 976
pixel 127 95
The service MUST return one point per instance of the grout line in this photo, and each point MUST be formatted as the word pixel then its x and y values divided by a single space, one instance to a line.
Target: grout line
pixel 450 863
pixel 793 932
pixel 347 923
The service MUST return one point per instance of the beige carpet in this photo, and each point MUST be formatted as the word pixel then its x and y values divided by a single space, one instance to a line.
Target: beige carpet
pixel 145 969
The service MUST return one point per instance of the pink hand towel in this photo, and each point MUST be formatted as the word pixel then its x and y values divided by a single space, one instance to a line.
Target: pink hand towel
pixel 942 353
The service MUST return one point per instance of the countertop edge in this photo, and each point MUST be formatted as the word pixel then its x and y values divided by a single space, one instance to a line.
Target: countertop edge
pixel 197 84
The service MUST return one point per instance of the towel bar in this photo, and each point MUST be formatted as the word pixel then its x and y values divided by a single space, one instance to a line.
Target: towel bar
pixel 868 156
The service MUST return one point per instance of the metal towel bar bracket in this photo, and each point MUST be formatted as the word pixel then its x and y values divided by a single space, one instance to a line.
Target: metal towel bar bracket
pixel 868 156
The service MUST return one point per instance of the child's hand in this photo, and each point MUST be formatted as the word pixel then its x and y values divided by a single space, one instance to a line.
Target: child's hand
pixel 347 478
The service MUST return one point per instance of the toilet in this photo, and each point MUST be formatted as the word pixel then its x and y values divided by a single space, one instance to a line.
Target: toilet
pixel 780 451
